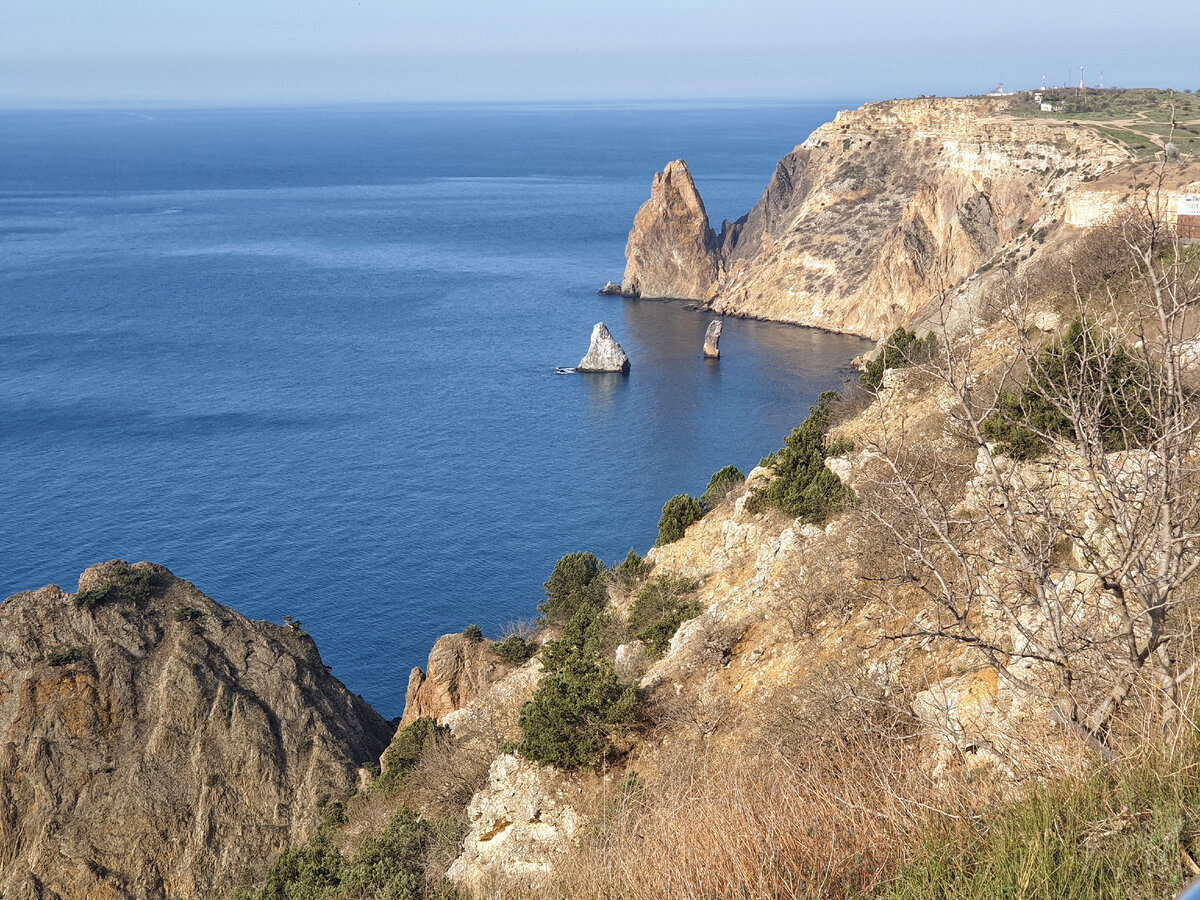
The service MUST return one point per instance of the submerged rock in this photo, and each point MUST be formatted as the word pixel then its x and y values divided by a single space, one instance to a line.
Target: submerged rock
pixel 712 340
pixel 604 354
pixel 610 287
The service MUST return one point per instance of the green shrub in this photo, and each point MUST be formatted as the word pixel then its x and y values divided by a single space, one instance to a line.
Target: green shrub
pixel 188 614
pixel 677 514
pixel 404 752
pixel 629 574
pixel 588 635
pixel 576 714
pixel 64 656
pixel 903 348
pixel 473 633
pixel 662 605
pixel 802 486
pixel 514 649
pixel 579 708
pixel 1083 379
pixel 125 584
pixel 723 481
pixel 387 866
pixel 575 582
pixel 632 569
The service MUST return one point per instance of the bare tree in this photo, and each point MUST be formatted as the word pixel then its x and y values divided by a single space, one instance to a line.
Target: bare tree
pixel 1064 557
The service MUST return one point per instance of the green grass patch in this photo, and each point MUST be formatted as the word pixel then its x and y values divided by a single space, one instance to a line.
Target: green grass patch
pixel 1119 834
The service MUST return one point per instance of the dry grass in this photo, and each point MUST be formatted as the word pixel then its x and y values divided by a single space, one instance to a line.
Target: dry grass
pixel 765 826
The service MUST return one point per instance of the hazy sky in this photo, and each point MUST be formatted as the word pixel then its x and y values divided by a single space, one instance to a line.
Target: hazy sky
pixel 320 51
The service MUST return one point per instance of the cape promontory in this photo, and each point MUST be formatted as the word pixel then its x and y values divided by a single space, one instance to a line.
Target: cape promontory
pixel 875 214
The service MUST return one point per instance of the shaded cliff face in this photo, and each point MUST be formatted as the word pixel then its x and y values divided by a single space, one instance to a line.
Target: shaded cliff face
pixel 672 251
pixel 873 215
pixel 158 744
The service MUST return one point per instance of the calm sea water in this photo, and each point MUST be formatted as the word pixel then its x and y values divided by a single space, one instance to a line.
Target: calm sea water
pixel 305 358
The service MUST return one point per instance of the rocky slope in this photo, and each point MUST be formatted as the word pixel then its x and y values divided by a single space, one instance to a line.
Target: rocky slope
pixel 154 743
pixel 870 218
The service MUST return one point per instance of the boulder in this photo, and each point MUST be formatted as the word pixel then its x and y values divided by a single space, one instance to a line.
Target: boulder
pixel 518 824
pixel 712 340
pixel 604 354
pixel 610 288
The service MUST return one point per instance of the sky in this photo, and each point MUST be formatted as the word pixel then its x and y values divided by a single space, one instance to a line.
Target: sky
pixel 214 52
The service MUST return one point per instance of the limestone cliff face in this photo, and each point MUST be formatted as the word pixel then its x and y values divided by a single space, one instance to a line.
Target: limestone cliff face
pixel 1138 187
pixel 158 744
pixel 672 251
pixel 872 216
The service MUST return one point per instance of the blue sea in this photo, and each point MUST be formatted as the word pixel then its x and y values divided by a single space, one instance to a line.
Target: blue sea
pixel 306 358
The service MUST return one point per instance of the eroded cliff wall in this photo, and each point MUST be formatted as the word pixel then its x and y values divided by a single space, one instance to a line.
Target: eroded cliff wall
pixel 875 214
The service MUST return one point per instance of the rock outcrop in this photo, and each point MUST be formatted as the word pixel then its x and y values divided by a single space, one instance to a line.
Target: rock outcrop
pixel 871 218
pixel 611 288
pixel 459 670
pixel 156 744
pixel 518 823
pixel 672 251
pixel 604 353
pixel 712 340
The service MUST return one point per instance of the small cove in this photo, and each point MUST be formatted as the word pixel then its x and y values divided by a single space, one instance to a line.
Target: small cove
pixel 306 358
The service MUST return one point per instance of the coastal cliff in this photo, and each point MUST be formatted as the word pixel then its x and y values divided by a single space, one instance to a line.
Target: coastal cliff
pixel 937 600
pixel 156 744
pixel 870 218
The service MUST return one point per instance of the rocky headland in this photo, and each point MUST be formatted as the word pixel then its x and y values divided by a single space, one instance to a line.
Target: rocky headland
pixel 872 217
pixel 156 744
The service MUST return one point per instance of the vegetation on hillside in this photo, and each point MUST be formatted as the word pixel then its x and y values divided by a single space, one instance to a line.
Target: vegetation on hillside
pixel 677 514
pixel 662 605
pixel 390 865
pixel 576 582
pixel 1084 381
pixel 1141 119
pixel 405 750
pixel 722 482
pixel 803 486
pixel 902 348
pixel 983 685
pixel 124 584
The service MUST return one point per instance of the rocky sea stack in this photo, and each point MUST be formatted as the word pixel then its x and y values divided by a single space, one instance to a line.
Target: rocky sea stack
pixel 672 251
pixel 155 744
pixel 712 340
pixel 604 354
